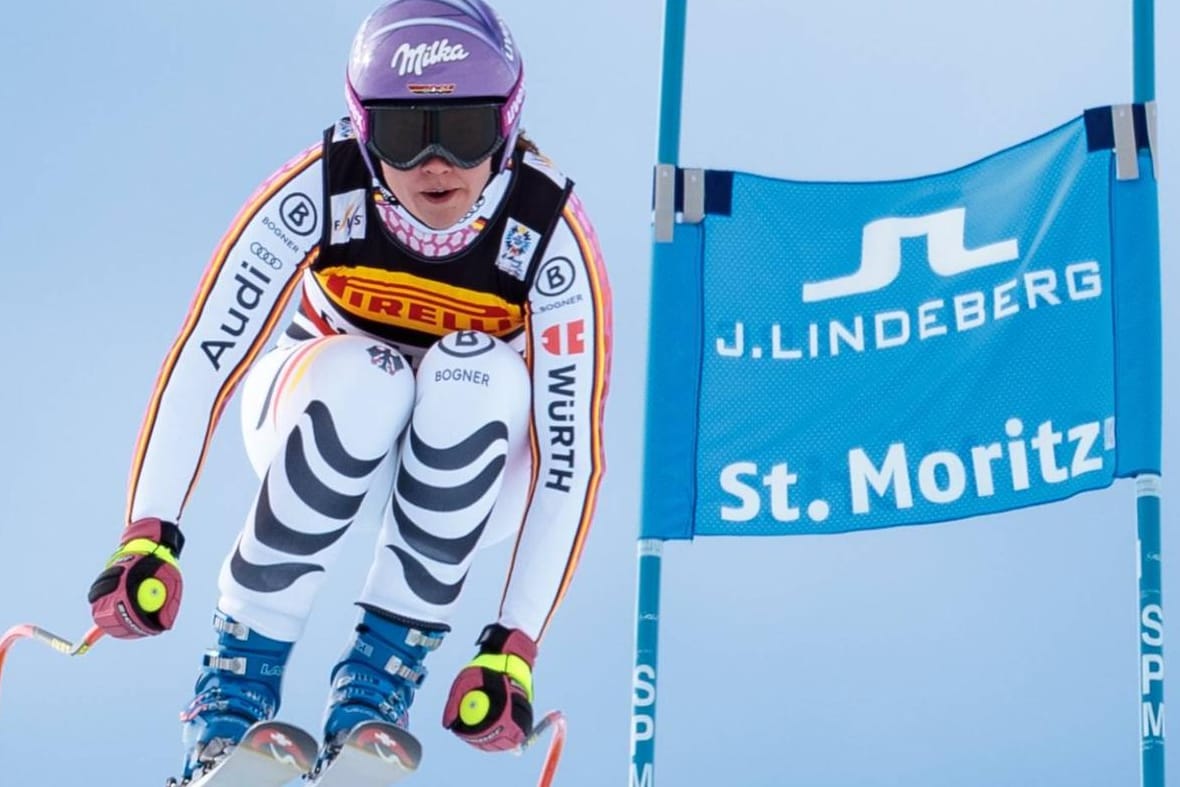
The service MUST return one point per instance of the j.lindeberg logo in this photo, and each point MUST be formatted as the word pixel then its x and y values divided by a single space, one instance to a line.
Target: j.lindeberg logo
pixel 413 59
pixel 880 256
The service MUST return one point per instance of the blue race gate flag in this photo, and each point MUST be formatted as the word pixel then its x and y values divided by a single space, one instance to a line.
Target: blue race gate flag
pixel 840 356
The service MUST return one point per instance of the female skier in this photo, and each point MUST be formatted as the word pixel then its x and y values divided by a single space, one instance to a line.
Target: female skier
pixel 446 370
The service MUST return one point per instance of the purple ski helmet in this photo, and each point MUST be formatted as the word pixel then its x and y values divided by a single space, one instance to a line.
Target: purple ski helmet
pixel 417 51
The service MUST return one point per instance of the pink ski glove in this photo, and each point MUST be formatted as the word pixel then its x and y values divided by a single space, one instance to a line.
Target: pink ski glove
pixel 138 595
pixel 491 701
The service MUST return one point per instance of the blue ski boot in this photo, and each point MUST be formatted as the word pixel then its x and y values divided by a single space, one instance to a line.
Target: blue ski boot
pixel 240 684
pixel 377 676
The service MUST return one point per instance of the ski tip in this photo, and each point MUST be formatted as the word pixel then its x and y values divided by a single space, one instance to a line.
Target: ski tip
pixel 270 753
pixel 388 742
pixel 283 742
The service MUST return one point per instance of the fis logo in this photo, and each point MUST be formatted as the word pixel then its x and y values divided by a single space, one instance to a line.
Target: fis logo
pixel 880 256
pixel 348 216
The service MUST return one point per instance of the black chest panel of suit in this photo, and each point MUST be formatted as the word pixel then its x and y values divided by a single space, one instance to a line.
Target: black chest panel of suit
pixel 382 286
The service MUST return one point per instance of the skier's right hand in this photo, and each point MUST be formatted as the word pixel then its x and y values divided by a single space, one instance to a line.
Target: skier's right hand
pixel 138 594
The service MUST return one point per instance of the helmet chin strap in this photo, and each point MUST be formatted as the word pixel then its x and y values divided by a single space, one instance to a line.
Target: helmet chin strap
pixel 386 192
pixel 374 174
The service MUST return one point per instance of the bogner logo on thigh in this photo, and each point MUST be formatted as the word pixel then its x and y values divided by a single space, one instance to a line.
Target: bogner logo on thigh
pixel 473 376
pixel 465 344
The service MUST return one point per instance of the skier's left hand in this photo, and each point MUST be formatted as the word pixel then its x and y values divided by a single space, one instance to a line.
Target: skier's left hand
pixel 491 701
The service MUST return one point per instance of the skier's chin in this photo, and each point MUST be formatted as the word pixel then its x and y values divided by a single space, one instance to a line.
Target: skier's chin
pixel 441 209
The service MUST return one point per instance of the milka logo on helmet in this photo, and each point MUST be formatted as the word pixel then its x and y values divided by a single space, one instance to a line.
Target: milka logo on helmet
pixel 413 59
pixel 880 256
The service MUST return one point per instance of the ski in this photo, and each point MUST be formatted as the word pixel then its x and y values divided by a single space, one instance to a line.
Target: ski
pixel 270 754
pixel 374 754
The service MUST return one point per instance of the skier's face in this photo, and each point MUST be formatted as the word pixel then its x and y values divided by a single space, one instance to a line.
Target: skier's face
pixel 437 192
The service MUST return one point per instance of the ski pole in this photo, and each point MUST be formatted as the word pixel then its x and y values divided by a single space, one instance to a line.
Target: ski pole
pixel 64 646
pixel 556 720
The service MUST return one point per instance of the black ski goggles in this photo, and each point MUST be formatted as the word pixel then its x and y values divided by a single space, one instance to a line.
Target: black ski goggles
pixel 404 136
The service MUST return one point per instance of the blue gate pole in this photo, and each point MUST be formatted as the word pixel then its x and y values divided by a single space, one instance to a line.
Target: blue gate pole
pixel 1151 631
pixel 1151 614
pixel 647 612
pixel 672 81
pixel 1143 43
pixel 643 687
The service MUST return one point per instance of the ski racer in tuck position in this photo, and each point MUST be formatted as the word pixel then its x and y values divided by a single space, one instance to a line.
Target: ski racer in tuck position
pixel 446 370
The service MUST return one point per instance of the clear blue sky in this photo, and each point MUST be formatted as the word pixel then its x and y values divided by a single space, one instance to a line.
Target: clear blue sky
pixel 992 652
